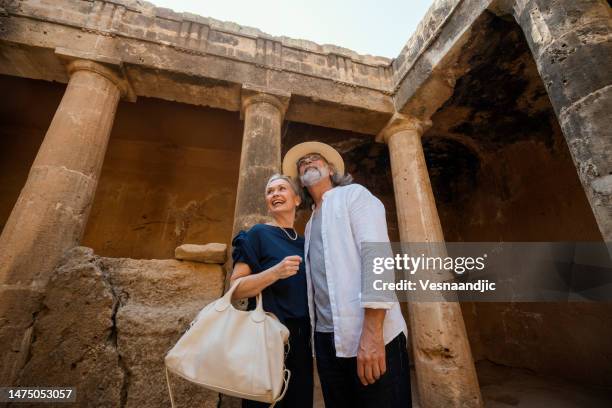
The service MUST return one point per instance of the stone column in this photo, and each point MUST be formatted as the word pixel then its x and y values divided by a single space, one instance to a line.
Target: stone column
pixel 51 212
pixel 260 157
pixel 570 42
pixel 263 111
pixel 446 376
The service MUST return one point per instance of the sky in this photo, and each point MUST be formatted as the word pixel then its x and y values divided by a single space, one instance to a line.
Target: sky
pixel 375 27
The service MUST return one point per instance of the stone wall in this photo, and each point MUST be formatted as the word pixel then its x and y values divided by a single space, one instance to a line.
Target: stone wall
pixel 169 175
pixel 501 171
pixel 106 324
pixel 571 44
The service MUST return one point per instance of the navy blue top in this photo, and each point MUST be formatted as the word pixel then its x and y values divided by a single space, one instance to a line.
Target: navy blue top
pixel 264 246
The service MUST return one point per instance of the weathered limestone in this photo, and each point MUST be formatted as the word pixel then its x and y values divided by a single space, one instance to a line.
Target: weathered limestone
pixel 209 253
pixel 76 337
pixel 426 66
pixel 52 209
pixel 108 323
pixel 198 60
pixel 260 156
pixel 563 37
pixel 446 376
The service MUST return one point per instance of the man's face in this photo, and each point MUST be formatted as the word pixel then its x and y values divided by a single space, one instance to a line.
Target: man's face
pixel 312 168
pixel 311 160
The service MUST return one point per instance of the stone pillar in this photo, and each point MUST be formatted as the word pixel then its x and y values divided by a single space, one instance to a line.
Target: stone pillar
pixel 51 212
pixel 570 42
pixel 263 111
pixel 260 156
pixel 446 376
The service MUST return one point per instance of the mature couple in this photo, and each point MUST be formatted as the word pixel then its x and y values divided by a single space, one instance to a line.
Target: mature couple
pixel 314 282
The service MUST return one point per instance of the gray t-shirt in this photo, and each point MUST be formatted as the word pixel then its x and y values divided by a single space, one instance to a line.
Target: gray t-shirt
pixel 316 257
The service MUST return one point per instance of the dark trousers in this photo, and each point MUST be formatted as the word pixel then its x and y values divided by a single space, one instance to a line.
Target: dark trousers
pixel 341 386
pixel 299 362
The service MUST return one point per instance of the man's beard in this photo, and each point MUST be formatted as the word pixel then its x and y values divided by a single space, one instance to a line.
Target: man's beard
pixel 313 175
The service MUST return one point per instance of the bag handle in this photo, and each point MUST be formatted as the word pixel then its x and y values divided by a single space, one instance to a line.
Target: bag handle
pixel 282 394
pixel 226 300
pixel 169 388
pixel 257 315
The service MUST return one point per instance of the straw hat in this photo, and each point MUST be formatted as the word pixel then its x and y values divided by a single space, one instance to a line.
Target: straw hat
pixel 300 150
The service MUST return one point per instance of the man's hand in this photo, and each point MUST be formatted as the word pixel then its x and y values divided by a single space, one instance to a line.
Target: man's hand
pixel 371 361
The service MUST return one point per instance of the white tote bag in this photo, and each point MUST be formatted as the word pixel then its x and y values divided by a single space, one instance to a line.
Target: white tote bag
pixel 234 352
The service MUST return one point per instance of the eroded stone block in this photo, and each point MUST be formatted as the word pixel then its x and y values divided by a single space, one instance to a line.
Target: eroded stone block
pixel 107 324
pixel 209 253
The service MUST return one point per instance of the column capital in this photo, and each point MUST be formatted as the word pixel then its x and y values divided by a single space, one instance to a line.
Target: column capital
pixel 400 122
pixel 109 68
pixel 251 94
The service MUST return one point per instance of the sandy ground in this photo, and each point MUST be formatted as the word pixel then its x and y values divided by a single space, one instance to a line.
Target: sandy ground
pixel 504 387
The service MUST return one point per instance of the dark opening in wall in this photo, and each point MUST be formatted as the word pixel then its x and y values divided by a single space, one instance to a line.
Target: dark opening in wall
pixel 501 170
pixel 25 117
pixel 496 153
pixel 500 100
pixel 453 168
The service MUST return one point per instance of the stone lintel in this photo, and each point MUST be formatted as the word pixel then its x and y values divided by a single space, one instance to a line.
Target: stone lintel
pixel 251 94
pixel 212 79
pixel 434 48
pixel 400 122
pixel 109 67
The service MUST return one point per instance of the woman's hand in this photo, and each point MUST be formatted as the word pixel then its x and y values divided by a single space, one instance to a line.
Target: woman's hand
pixel 252 284
pixel 287 267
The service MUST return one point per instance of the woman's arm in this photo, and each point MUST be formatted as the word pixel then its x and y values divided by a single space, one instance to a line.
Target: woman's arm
pixel 252 284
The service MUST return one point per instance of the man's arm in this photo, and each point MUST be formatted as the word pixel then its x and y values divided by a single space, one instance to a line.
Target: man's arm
pixel 369 224
pixel 371 358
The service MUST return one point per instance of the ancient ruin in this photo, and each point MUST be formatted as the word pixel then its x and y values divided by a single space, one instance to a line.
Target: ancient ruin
pixel 128 130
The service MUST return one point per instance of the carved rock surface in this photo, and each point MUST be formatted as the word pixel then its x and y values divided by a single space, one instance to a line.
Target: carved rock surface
pixel 108 322
pixel 74 334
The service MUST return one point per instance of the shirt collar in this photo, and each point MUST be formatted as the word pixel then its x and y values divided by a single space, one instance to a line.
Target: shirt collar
pixel 327 192
pixel 312 207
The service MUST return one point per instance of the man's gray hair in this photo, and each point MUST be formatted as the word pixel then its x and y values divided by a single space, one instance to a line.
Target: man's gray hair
pixel 338 179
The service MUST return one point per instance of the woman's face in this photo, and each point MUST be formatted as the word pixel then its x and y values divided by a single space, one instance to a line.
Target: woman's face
pixel 280 197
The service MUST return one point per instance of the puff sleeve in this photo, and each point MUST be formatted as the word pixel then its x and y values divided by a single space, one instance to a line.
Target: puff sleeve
pixel 245 249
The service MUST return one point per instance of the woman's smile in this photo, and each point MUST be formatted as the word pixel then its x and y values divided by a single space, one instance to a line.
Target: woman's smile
pixel 281 197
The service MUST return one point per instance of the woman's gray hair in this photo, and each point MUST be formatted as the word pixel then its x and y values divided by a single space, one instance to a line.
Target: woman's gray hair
pixel 292 183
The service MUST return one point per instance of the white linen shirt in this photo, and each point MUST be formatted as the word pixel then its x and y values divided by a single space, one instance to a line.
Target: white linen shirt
pixel 350 215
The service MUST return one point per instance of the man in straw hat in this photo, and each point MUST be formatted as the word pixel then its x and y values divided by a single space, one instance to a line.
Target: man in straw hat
pixel 360 346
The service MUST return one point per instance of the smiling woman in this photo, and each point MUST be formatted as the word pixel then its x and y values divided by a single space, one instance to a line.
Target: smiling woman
pixel 282 189
pixel 269 258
